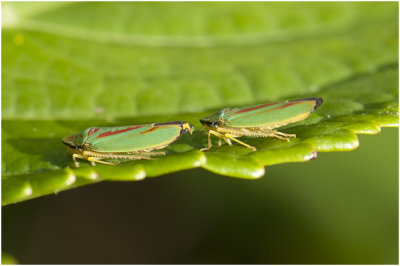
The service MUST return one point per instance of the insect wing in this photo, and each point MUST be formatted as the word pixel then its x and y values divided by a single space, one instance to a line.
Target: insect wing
pixel 131 138
pixel 271 115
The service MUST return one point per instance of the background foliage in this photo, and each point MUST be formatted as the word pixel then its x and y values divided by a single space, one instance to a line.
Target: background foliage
pixel 69 66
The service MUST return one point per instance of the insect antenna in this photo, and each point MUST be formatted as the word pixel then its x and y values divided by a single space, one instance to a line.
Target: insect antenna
pixel 198 132
pixel 63 156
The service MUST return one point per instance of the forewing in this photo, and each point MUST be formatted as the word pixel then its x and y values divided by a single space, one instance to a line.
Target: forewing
pixel 271 115
pixel 132 138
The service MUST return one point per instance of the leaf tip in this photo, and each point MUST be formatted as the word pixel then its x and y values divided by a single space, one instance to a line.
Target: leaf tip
pixel 311 156
pixel 27 191
pixel 93 175
pixel 71 177
pixel 258 173
pixel 202 159
pixel 140 175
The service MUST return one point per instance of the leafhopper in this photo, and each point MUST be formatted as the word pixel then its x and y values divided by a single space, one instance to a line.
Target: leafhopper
pixel 125 143
pixel 257 121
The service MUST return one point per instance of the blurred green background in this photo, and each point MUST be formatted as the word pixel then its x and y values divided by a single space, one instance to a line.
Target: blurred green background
pixel 339 208
pixel 68 65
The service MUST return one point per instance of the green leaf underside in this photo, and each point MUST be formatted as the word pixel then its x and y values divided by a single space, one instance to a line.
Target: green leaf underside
pixel 56 85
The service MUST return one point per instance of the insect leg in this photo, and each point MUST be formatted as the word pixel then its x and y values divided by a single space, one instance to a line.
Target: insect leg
pixel 285 134
pixel 219 135
pixel 75 155
pixel 151 153
pixel 209 142
pixel 277 134
pixel 226 139
pixel 132 156
pixel 94 160
pixel 229 136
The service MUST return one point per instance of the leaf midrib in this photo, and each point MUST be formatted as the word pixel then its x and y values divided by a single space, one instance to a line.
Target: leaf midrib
pixel 234 40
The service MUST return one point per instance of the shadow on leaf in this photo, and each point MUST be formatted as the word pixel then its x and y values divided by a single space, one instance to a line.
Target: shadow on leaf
pixel 50 149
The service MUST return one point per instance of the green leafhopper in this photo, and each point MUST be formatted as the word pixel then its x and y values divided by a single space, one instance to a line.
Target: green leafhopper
pixel 126 143
pixel 257 121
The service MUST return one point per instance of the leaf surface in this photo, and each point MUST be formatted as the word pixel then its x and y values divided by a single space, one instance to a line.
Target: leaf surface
pixel 62 75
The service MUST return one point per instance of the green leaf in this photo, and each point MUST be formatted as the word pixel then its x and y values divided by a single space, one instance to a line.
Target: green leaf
pixel 71 66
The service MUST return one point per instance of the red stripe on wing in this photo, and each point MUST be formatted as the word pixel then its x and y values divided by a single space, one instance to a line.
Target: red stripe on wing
pixel 253 108
pixel 284 106
pixel 110 133
pixel 92 131
pixel 147 131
